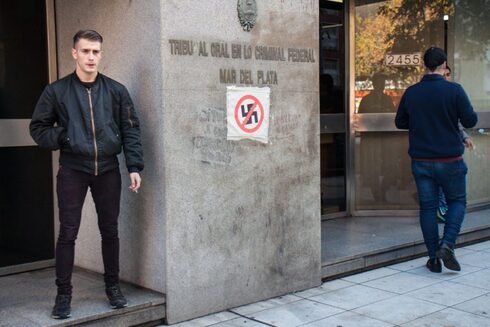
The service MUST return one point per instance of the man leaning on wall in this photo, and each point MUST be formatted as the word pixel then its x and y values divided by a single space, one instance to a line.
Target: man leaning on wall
pixel 431 110
pixel 89 118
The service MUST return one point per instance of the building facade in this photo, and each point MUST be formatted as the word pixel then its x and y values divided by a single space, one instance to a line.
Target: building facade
pixel 221 223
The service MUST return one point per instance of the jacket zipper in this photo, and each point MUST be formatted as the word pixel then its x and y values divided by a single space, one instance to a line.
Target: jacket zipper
pixel 93 130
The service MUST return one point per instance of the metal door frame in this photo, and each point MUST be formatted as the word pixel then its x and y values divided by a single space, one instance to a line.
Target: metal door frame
pixel 16 132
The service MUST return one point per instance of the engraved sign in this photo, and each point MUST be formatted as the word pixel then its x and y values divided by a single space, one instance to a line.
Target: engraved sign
pixel 247 13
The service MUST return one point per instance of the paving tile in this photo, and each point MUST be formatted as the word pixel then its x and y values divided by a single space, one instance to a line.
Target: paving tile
pixel 240 322
pixel 352 297
pixel 209 320
pixel 479 246
pixel 479 279
pixel 479 306
pixel 408 265
pixel 447 293
pixel 325 287
pixel 264 305
pixel 477 259
pixel 450 318
pixel 398 310
pixel 370 275
pixel 460 252
pixel 296 313
pixel 402 282
pixel 445 274
pixel 348 319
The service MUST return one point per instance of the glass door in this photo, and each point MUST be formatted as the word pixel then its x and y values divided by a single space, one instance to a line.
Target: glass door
pixel 389 40
pixel 26 192
pixel 332 109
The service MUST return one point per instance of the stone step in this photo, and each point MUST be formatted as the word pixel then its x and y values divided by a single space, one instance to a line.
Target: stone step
pixel 28 298
pixel 394 254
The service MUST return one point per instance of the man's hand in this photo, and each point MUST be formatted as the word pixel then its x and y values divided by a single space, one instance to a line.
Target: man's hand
pixel 468 142
pixel 135 182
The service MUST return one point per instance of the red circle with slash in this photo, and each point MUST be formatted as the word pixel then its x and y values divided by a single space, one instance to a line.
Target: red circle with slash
pixel 256 104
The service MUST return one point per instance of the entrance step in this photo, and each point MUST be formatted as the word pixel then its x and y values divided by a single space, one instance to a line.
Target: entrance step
pixel 352 245
pixel 26 299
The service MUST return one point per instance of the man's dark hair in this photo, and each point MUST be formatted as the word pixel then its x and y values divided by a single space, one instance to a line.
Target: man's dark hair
pixel 434 57
pixel 88 35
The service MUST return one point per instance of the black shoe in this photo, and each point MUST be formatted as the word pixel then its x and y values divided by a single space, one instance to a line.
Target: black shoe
pixel 434 265
pixel 447 255
pixel 115 296
pixel 62 309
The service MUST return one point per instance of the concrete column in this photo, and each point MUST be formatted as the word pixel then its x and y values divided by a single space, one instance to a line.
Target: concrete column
pixel 218 223
pixel 243 218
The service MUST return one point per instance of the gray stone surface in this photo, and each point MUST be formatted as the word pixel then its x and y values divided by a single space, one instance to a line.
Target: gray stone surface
pixel 29 299
pixel 211 229
pixel 243 218
pixel 131 55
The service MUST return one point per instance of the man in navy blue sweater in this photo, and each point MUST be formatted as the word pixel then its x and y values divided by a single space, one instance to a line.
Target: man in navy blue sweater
pixel 431 110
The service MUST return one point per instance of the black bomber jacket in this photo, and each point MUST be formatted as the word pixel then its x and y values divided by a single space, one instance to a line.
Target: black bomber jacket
pixel 92 124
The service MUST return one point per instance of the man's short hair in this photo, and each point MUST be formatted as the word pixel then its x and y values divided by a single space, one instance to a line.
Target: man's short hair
pixel 434 57
pixel 88 35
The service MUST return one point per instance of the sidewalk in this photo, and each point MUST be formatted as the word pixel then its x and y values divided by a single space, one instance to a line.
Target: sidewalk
pixel 404 294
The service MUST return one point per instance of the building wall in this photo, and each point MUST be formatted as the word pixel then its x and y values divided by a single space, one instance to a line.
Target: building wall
pixel 243 218
pixel 131 55
pixel 218 223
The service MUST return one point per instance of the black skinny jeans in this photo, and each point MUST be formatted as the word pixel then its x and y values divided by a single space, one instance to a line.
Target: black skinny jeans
pixel 72 186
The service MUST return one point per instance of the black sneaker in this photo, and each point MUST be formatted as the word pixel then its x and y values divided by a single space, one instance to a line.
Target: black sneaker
pixel 115 296
pixel 62 308
pixel 447 255
pixel 434 265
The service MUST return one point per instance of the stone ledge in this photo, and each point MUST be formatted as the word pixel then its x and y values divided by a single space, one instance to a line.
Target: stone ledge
pixel 402 252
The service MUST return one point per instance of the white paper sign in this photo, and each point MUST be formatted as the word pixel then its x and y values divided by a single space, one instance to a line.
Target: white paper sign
pixel 247 113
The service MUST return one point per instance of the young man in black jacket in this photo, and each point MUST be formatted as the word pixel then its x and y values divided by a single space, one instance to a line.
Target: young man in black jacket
pixel 431 111
pixel 89 118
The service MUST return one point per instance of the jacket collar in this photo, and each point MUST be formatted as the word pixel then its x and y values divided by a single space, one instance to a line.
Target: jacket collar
pixel 94 83
pixel 432 77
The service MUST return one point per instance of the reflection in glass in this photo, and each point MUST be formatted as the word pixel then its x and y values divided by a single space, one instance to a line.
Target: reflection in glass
pixel 332 81
pixel 23 57
pixel 389 38
pixel 376 101
pixel 478 180
pixel 332 158
pixel 469 40
pixel 26 192
pixel 383 173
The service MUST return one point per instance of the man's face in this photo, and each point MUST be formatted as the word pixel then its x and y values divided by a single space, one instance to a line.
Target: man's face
pixel 87 55
pixel 447 75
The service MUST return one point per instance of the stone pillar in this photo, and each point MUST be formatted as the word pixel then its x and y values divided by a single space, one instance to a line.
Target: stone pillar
pixel 243 218
pixel 218 223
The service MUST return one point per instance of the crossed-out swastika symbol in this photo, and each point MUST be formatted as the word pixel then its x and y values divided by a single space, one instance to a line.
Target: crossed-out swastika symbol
pixel 251 112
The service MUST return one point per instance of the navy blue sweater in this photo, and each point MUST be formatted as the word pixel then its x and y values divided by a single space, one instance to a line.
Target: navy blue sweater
pixel 430 110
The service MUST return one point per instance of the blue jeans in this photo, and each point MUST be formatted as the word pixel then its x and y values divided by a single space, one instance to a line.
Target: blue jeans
pixel 451 177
